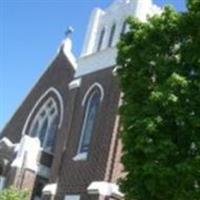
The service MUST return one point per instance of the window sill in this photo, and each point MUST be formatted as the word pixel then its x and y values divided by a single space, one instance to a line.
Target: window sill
pixel 80 157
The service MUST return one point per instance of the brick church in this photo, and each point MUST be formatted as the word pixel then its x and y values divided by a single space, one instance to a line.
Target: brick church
pixel 62 142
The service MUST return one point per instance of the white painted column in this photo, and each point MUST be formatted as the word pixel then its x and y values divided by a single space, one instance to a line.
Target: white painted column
pixel 91 35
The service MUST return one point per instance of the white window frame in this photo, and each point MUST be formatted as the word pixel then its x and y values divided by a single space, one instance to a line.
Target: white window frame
pixel 83 156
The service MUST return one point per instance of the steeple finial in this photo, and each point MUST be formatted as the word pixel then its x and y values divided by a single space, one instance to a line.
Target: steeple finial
pixel 66 47
pixel 69 31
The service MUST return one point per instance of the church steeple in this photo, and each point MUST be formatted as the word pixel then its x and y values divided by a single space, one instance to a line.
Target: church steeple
pixel 105 28
pixel 116 13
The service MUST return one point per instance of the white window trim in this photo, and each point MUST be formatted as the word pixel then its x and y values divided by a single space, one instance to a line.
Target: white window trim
pixel 41 120
pixel 84 123
pixel 61 103
pixel 83 155
pixel 96 84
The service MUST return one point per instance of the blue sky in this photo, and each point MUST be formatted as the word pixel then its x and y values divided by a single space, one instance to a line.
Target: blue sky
pixel 30 33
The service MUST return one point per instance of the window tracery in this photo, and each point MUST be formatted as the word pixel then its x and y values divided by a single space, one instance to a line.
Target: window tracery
pixel 45 125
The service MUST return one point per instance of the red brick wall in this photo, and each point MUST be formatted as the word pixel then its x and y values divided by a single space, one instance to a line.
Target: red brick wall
pixel 75 176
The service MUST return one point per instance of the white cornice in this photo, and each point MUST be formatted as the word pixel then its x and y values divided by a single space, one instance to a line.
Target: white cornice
pixel 98 61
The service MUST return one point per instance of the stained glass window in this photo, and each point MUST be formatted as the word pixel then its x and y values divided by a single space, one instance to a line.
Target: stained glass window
pixel 45 125
pixel 89 120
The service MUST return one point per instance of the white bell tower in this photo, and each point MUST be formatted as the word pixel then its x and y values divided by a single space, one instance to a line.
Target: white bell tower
pixel 104 30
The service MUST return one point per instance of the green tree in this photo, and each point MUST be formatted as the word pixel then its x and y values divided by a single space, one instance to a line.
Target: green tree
pixel 160 79
pixel 13 194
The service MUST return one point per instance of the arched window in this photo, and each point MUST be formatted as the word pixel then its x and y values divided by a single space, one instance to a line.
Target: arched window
pixel 112 34
pixel 124 25
pixel 91 107
pixel 45 125
pixel 101 39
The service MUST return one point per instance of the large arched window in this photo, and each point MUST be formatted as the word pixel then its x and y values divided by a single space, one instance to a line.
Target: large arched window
pixel 101 38
pixel 112 34
pixel 91 107
pixel 45 125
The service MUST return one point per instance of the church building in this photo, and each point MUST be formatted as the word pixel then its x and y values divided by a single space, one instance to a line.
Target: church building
pixel 63 142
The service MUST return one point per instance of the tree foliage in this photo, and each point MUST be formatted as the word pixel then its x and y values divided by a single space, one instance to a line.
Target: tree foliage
pixel 160 78
pixel 13 194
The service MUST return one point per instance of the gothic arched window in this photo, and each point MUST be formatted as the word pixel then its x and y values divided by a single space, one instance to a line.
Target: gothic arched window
pixel 112 34
pixel 101 39
pixel 91 107
pixel 124 26
pixel 45 124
